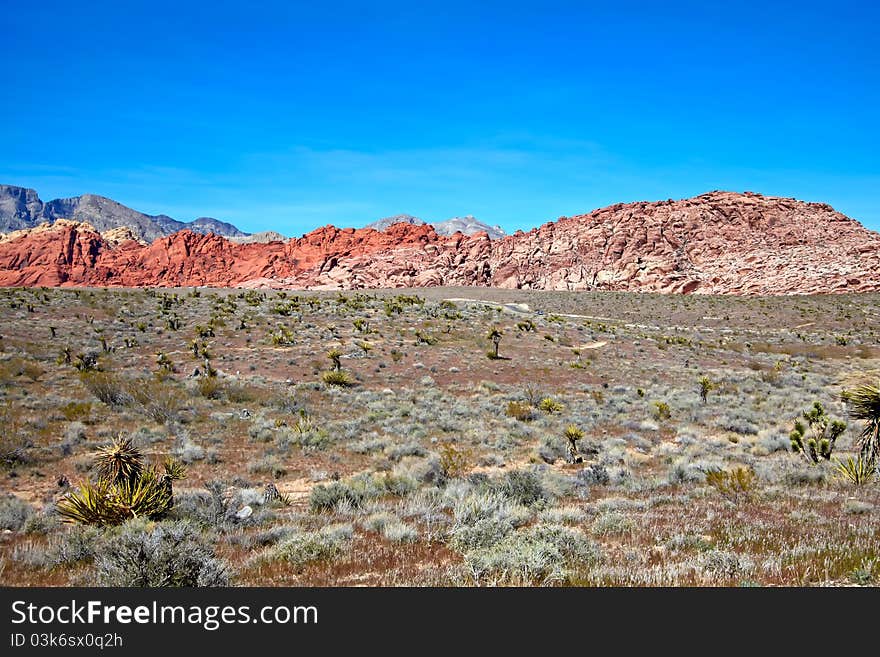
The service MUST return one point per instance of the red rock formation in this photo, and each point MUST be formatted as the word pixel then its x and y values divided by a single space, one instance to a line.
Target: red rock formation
pixel 716 243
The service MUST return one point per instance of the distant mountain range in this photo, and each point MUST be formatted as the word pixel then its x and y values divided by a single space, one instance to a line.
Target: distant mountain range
pixel 21 208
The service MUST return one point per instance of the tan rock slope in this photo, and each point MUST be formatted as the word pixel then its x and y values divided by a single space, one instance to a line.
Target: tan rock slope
pixel 716 243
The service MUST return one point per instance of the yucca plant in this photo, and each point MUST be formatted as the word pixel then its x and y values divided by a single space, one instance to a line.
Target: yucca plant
pixel 125 489
pixel 856 470
pixel 335 355
pixel 147 497
pixel 863 403
pixel 120 461
pixel 550 405
pixel 337 378
pixel 495 335
pixel 573 434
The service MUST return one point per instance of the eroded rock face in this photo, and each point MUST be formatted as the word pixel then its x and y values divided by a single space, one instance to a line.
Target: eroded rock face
pixel 716 243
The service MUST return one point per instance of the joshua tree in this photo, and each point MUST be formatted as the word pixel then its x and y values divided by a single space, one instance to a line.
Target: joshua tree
pixel 164 363
pixel 573 434
pixel 706 386
pixel 823 433
pixel 495 336
pixel 87 362
pixel 66 356
pixel 335 355
pixel 864 404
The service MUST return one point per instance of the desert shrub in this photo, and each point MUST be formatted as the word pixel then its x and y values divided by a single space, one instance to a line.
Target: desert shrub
pixel 159 400
pixel 661 411
pixel 270 465
pixel 107 387
pixel 683 472
pixel 74 434
pixel 237 393
pixel 774 442
pixel 484 532
pixel 804 476
pixel 303 548
pixel 41 523
pixel 857 507
pixel 612 522
pixel 309 439
pixel 539 554
pixel 594 475
pixel 738 421
pixel 76 545
pixel 13 441
pixel 397 452
pixel 327 497
pixel 13 512
pixel 524 486
pixel 562 515
pixel 74 411
pixel 420 470
pixel 724 564
pixel 210 387
pixel 398 531
pixel 453 461
pixel 375 522
pixel 189 452
pixel 167 554
pixel 736 485
pixel 551 450
pixel 522 411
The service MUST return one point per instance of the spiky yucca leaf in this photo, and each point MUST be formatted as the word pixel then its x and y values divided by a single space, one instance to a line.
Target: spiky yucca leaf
pixel 90 504
pixel 120 461
pixel 863 403
pixel 174 469
pixel 148 497
pixel 858 470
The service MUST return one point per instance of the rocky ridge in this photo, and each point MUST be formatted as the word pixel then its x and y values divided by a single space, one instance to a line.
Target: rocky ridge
pixel 715 243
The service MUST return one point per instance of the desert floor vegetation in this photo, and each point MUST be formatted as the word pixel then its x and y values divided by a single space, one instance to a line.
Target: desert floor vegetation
pixel 349 438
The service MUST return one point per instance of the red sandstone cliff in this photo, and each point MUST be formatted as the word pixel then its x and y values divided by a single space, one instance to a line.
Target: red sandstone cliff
pixel 716 243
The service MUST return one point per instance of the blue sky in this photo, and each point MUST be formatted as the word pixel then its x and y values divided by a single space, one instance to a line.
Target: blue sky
pixel 289 116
